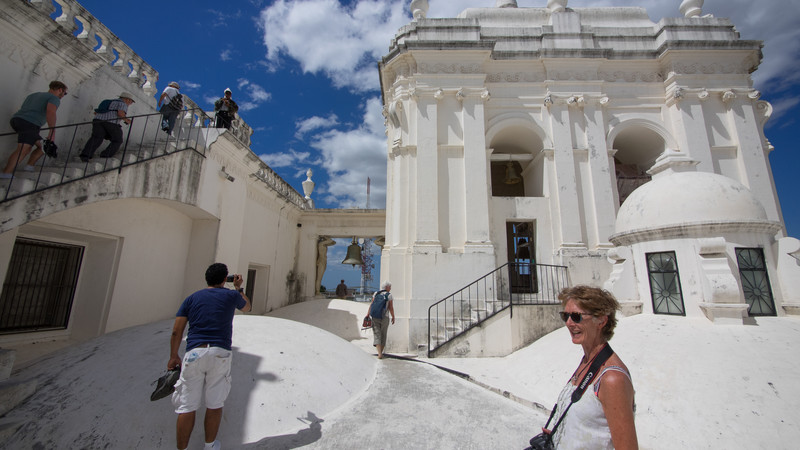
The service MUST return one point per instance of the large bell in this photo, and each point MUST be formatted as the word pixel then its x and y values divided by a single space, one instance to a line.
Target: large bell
pixel 353 255
pixel 511 174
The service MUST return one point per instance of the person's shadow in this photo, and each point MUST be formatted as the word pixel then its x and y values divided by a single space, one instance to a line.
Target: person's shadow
pixel 287 441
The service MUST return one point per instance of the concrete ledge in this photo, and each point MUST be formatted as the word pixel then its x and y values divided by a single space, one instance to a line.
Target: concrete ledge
pixel 7 358
pixel 8 427
pixel 792 309
pixel 725 313
pixel 12 393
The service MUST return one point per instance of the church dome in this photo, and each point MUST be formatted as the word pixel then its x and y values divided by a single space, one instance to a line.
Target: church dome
pixel 688 198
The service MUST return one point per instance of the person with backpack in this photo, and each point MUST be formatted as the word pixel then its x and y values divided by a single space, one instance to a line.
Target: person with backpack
pixel 37 109
pixel 379 309
pixel 106 126
pixel 172 102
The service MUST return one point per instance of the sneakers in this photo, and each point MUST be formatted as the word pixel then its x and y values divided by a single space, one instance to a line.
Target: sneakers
pixel 28 168
pixel 165 385
pixel 213 445
pixel 5 176
pixel 85 158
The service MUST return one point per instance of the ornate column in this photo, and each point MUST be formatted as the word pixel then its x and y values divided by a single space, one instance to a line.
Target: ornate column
pixel 425 179
pixel 603 179
pixel 755 167
pixel 476 164
pixel 564 195
pixel 689 124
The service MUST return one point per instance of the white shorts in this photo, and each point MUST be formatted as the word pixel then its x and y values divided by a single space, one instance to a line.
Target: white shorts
pixel 205 370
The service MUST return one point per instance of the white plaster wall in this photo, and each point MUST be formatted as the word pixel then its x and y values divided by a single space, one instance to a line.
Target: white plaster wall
pixel 155 241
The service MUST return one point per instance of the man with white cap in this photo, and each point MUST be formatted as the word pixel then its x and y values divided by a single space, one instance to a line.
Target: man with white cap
pixel 106 126
pixel 172 101
pixel 226 110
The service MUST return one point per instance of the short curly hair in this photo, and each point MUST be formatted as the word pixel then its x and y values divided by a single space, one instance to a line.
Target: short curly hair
pixel 595 301
pixel 216 274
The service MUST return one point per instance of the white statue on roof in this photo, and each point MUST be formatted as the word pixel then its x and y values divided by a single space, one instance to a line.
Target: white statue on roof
pixel 556 5
pixel 506 4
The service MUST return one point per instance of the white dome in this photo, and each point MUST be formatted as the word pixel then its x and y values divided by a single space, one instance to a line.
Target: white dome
pixel 683 198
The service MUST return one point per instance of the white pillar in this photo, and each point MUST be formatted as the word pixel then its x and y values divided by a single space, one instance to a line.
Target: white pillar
pixel 476 163
pixel 426 178
pixel 564 201
pixel 602 205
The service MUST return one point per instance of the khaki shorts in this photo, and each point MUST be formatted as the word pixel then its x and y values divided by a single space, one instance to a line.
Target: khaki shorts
pixel 380 329
pixel 205 371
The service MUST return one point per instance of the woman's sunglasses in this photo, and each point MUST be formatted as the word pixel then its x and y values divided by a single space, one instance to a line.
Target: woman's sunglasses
pixel 576 317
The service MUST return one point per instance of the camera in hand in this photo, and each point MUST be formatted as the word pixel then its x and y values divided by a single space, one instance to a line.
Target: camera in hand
pixel 230 278
pixel 541 441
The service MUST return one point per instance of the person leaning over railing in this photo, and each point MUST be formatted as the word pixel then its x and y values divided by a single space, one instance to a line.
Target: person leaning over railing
pixel 106 126
pixel 37 109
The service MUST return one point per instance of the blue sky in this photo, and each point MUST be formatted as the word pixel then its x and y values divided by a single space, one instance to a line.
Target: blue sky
pixel 304 74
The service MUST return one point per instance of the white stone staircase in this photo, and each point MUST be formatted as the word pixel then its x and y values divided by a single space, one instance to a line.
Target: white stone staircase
pixel 12 393
pixel 51 172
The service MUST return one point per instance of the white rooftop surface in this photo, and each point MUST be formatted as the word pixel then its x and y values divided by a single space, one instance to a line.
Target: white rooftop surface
pixel 698 385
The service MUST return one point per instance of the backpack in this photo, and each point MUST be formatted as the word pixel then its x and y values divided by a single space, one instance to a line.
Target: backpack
pixel 379 304
pixel 176 102
pixel 104 105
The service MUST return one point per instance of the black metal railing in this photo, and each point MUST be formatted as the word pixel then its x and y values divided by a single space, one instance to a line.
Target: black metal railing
pixel 509 284
pixel 143 140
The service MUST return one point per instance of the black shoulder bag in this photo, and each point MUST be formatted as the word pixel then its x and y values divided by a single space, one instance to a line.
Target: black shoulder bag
pixel 544 441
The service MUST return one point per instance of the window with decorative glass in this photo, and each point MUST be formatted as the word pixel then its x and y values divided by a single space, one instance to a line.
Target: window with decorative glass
pixel 755 281
pixel 665 283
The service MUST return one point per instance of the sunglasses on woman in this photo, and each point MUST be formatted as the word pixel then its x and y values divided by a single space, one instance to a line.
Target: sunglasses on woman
pixel 576 317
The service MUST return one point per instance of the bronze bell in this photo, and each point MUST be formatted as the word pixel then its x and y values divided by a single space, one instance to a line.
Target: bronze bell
pixel 353 255
pixel 511 174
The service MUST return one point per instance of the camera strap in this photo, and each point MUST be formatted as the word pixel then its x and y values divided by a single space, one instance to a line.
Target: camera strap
pixel 598 361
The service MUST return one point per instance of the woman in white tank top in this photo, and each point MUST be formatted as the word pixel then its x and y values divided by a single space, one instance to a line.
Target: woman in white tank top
pixel 603 417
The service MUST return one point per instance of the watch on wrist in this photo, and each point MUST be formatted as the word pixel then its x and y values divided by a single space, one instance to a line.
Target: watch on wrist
pixel 241 290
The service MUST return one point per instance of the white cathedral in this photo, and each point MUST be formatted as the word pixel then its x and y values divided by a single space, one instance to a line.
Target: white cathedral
pixel 527 149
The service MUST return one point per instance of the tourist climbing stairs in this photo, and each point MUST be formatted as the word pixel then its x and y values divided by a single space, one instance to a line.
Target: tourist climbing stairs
pixel 143 140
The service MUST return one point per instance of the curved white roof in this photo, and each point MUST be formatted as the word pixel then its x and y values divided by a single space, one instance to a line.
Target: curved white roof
pixel 683 198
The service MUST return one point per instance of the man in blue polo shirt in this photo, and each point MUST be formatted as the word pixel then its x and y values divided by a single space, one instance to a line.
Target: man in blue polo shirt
pixel 207 362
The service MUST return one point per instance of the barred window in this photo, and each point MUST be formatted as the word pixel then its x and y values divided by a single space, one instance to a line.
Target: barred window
pixel 755 281
pixel 39 287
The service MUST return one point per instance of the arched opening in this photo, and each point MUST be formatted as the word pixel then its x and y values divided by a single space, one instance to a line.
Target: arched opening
pixel 516 169
pixel 637 149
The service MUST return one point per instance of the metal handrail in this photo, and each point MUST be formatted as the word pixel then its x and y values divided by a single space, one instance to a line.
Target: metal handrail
pixel 512 283
pixel 143 141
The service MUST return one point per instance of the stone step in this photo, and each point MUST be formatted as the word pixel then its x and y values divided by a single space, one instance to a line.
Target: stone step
pixel 14 392
pixel 19 185
pixel 7 358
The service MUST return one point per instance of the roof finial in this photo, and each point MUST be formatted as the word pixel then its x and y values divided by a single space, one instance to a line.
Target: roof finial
pixel 691 8
pixel 419 9
pixel 506 4
pixel 556 5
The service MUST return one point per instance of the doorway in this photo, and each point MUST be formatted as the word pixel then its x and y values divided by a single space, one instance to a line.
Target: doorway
pixel 521 257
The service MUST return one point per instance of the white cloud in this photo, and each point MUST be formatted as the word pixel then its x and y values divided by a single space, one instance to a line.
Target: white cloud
pixel 286 159
pixel 225 55
pixel 189 85
pixel 315 123
pixel 254 95
pixel 351 156
pixel 326 37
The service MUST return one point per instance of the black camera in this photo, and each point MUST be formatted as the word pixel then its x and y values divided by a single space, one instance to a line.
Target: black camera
pixel 230 278
pixel 541 441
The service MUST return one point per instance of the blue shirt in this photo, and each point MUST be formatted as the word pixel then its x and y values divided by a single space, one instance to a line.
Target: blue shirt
pixel 210 313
